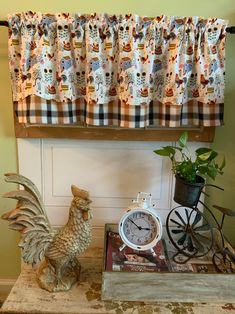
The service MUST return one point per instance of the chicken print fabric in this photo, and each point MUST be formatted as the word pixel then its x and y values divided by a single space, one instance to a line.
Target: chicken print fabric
pixel 117 70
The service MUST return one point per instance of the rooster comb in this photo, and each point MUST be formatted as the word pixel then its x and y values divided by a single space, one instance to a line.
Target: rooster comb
pixel 79 192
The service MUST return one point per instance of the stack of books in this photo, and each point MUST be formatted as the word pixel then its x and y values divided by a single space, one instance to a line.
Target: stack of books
pixel 144 261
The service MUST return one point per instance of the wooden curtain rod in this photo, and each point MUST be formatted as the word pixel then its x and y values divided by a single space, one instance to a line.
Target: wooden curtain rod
pixel 230 29
pixel 4 23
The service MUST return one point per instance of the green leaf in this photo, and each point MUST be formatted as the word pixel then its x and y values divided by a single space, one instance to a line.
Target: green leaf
pixel 222 164
pixel 164 152
pixel 213 155
pixel 170 149
pixel 183 139
pixel 187 170
pixel 205 156
pixel 202 170
pixel 212 172
pixel 203 151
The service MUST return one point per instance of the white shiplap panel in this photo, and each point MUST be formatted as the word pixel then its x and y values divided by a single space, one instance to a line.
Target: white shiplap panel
pixel 113 172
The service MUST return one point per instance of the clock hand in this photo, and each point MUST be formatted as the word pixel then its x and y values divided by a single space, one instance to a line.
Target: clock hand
pixel 140 228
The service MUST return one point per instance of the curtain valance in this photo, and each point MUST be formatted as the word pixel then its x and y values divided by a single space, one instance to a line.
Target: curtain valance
pixel 117 70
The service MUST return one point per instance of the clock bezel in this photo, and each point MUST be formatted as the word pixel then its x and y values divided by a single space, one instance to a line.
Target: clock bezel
pixel 158 224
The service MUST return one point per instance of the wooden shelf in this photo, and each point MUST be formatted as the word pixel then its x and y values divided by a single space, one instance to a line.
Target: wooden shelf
pixel 205 134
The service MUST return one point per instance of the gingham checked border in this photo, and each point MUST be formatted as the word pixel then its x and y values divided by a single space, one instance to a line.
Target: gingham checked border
pixel 36 110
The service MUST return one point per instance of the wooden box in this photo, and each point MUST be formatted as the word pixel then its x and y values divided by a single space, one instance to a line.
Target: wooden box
pixel 165 286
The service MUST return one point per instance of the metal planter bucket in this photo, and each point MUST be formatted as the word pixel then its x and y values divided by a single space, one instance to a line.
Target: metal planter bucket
pixel 188 194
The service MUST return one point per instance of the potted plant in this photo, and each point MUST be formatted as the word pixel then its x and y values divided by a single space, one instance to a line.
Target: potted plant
pixel 190 171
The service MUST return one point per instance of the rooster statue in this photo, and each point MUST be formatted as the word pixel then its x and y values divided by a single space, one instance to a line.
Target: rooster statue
pixel 57 250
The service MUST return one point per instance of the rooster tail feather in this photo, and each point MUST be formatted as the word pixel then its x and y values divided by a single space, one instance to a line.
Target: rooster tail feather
pixel 36 256
pixel 26 183
pixel 25 197
pixel 23 221
pixel 30 219
pixel 19 210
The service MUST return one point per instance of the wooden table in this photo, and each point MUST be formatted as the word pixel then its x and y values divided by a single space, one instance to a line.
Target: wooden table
pixel 85 297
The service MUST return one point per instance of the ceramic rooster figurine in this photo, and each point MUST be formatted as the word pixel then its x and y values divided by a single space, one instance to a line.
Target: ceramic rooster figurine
pixel 57 250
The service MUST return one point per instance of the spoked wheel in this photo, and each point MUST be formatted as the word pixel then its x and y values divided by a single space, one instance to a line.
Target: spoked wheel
pixel 223 262
pixel 189 231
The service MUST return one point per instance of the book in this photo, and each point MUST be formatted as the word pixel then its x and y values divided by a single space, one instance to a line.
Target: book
pixel 201 264
pixel 129 259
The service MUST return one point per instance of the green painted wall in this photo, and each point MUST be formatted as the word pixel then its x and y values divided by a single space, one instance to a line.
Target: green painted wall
pixel 10 257
pixel 225 136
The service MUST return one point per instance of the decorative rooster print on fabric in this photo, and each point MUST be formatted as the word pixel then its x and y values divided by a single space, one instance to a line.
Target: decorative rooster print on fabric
pixel 57 250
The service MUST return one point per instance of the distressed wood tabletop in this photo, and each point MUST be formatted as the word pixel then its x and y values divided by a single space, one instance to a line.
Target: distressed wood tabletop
pixel 85 297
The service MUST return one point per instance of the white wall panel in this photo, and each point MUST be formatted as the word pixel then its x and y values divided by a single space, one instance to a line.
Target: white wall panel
pixel 114 172
pixel 30 160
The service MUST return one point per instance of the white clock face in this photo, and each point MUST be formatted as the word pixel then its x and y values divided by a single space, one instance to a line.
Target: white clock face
pixel 140 228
